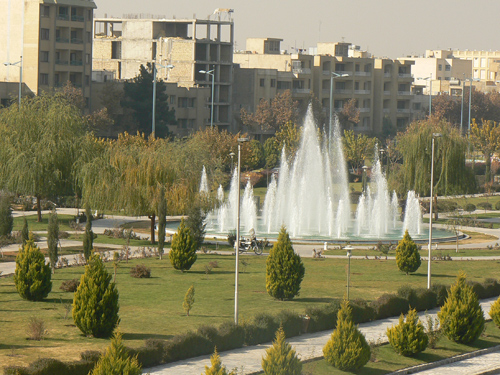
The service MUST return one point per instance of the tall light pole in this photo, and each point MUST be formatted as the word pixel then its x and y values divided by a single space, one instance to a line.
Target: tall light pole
pixel 462 107
pixel 212 73
pixel 237 250
pixel 430 92
pixel 434 136
pixel 349 249
pixel 332 77
pixel 153 121
pixel 20 63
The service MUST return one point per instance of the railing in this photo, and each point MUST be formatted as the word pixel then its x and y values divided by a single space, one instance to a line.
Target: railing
pixel 76 41
pixel 301 71
pixel 386 110
pixel 62 40
pixel 77 18
pixel 403 110
pixel 364 110
pixel 362 92
pixel 342 91
pixel 76 62
pixel 387 75
pixel 342 72
pixel 301 91
pixel 61 62
pixel 363 74
pixel 387 92
pixel 404 92
pixel 63 17
pixel 404 75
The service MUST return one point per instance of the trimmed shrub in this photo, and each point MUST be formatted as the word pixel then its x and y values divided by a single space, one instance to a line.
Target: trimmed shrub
pixel 461 317
pixel 15 370
pixel 32 275
pixel 188 345
pixel 497 206
pixel 90 356
pixel 183 252
pixel 6 219
pixel 290 322
pixel 284 269
pixel 470 207
pixel 388 305
pixel 261 329
pixel 229 336
pixel 478 289
pixel 495 312
pixel 95 304
pixel 426 299
pixel 217 368
pixel 408 337
pixel 281 358
pixel 347 348
pixel 407 255
pixel 70 285
pixel 322 317
pixel 140 271
pixel 152 353
pixel 441 293
pixel 47 366
pixel 491 287
pixel 409 294
pixel 361 311
pixel 485 205
pixel 116 360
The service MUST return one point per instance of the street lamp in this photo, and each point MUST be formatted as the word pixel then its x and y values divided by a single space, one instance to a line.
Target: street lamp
pixel 20 62
pixel 434 136
pixel 349 250
pixel 237 250
pixel 332 77
pixel 153 121
pixel 462 107
pixel 212 73
pixel 363 183
pixel 430 92
pixel 231 154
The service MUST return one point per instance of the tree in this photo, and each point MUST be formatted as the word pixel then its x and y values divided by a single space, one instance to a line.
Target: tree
pixel 39 145
pixel 284 269
pixel 408 337
pixel 357 148
pixel 486 138
pixel 347 348
pixel 446 107
pixel 32 275
pixel 183 252
pixel 25 234
pixel 349 115
pixel 188 303
pixel 138 98
pixel 116 360
pixel 217 368
pixel 272 152
pixel 407 255
pixel 6 219
pixel 281 358
pixel 53 239
pixel 95 304
pixel 256 158
pixel 495 312
pixel 461 316
pixel 288 137
pixel 88 237
pixel 162 221
pixel 196 224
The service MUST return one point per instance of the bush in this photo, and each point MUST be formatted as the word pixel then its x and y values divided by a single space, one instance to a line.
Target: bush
pixel 441 293
pixel 362 312
pixel 188 303
pixel 497 206
pixel 408 337
pixel 495 312
pixel 290 322
pixel 261 329
pixel 461 317
pixel 140 271
pixel 347 348
pixel 281 358
pixel 53 239
pixel 48 366
pixel 231 238
pixel 478 289
pixel 116 360
pixel 388 305
pixel 426 299
pixel 469 207
pixel 407 255
pixel 229 336
pixel 32 275
pixel 6 219
pixel 216 368
pixel 152 353
pixel 70 285
pixel 188 345
pixel 36 329
pixel 408 293
pixel 485 205
pixel 95 304
pixel 322 317
pixel 284 269
pixel 491 287
pixel 183 252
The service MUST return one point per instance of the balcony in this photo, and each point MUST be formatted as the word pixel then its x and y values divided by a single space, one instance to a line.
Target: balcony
pixel 342 91
pixel 62 40
pixel 362 92
pixel 387 110
pixel 405 110
pixel 77 18
pixel 76 62
pixel 76 41
pixel 404 75
pixel 362 74
pixel 404 93
pixel 301 91
pixel 387 92
pixel 301 71
pixel 387 75
pixel 63 17
pixel 342 72
pixel 364 110
pixel 61 62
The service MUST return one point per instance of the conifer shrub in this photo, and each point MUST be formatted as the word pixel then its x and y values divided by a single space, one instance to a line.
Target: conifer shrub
pixel 95 304
pixel 183 252
pixel 32 275
pixel 347 348
pixel 281 358
pixel 216 367
pixel 388 305
pixel 284 269
pixel 53 239
pixel 461 317
pixel 6 219
pixel 196 222
pixel 408 337
pixel 495 312
pixel 25 234
pixel 116 360
pixel 88 236
pixel 188 303
pixel 407 255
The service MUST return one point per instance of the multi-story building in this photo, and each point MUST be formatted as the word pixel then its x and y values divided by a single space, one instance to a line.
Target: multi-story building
pixel 54 39
pixel 183 51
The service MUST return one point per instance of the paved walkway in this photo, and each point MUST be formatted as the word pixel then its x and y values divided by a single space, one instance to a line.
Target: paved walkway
pixel 484 364
pixel 308 346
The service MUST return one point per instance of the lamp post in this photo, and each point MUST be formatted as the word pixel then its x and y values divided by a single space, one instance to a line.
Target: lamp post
pixel 153 121
pixel 231 154
pixel 434 136
pixel 332 77
pixel 349 250
pixel 212 73
pixel 430 92
pixel 462 107
pixel 20 62
pixel 364 178
pixel 237 250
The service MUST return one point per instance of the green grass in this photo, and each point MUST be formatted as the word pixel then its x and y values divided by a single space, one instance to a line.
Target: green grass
pixel 153 307
pixel 36 226
pixel 102 239
pixel 388 361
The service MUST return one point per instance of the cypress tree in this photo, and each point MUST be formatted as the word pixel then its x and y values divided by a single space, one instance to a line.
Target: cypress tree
pixel 6 220
pixel 284 269
pixel 95 304
pixel 188 300
pixel 347 348
pixel 52 239
pixel 407 255
pixel 281 358
pixel 408 337
pixel 183 252
pixel 217 368
pixel 495 312
pixel 88 237
pixel 196 224
pixel 32 275
pixel 116 360
pixel 25 233
pixel 461 317
pixel 162 221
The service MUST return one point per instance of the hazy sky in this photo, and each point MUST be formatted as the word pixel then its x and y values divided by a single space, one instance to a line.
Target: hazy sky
pixel 386 28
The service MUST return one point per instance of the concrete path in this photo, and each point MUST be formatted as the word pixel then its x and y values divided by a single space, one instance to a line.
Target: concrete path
pixel 483 364
pixel 248 359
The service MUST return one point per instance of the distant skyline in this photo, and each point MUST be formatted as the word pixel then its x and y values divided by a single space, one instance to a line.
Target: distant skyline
pixel 385 28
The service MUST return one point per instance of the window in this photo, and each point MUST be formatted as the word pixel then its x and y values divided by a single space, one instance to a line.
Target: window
pixel 356 85
pixel 273 82
pixel 44 34
pixel 45 11
pixel 44 56
pixel 340 85
pixel 284 85
pixel 440 67
pixel 402 87
pixel 172 99
pixel 262 82
pixel 44 79
pixel 447 68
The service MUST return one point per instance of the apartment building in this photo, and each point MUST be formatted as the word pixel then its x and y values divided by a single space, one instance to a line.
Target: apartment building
pixel 192 53
pixel 54 39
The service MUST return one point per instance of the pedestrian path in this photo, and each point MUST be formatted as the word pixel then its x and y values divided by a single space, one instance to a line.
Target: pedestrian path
pixel 248 360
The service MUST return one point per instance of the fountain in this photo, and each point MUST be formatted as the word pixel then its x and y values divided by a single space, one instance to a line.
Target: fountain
pixel 310 196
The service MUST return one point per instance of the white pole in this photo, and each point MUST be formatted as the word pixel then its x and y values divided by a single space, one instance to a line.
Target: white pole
pixel 153 121
pixel 430 218
pixel 237 250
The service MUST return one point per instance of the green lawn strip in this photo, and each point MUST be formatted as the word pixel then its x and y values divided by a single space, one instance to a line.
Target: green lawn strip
pixel 107 240
pixel 387 360
pixel 36 226
pixel 153 307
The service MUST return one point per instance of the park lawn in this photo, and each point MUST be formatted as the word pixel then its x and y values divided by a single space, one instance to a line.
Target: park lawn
pixel 153 307
pixel 106 240
pixel 387 360
pixel 36 226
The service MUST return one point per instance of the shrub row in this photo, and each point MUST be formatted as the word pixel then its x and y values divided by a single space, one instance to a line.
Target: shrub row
pixel 262 328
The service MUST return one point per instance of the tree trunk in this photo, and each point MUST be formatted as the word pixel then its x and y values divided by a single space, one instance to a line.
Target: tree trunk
pixel 153 219
pixel 487 172
pixel 435 208
pixel 38 209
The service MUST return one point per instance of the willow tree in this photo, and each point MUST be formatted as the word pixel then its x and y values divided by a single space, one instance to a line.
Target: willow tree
pixel 39 145
pixel 486 138
pixel 357 148
pixel 450 173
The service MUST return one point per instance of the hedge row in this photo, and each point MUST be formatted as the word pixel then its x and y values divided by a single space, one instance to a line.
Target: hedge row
pixel 262 328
